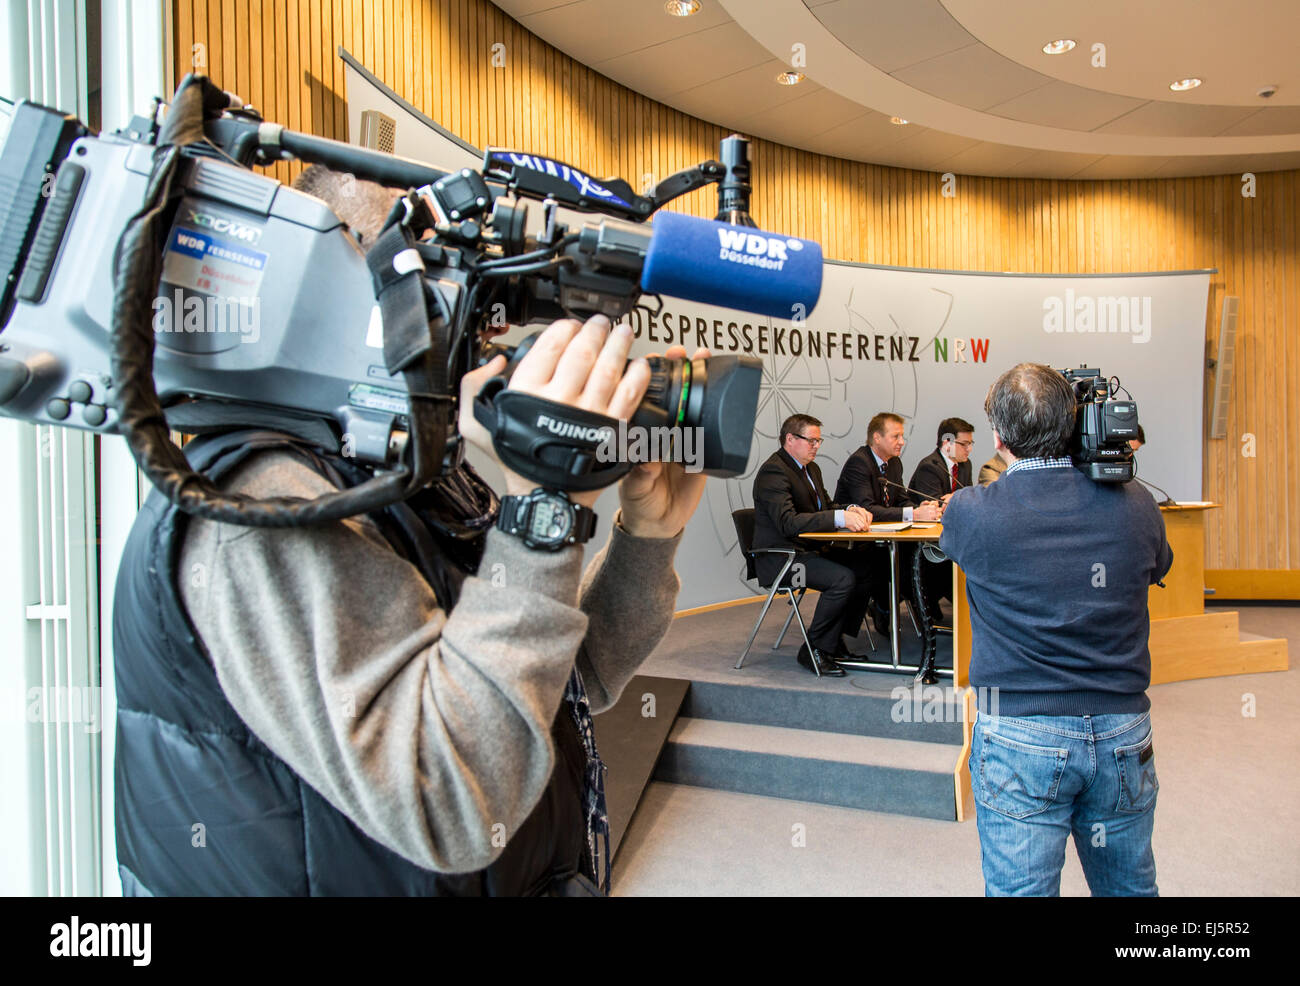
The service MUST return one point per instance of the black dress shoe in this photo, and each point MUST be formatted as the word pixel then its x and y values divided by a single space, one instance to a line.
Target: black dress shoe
pixel 823 665
pixel 844 654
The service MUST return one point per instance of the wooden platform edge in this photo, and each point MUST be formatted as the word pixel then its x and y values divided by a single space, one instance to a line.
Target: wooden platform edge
pixel 1253 583
pixel 1187 648
pixel 964 797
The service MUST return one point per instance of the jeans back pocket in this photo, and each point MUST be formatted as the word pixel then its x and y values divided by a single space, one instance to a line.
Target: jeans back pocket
pixel 1138 785
pixel 1017 779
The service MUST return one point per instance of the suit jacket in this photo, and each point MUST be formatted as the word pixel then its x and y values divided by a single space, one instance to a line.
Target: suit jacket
pixel 860 483
pixel 785 506
pixel 933 478
pixel 991 470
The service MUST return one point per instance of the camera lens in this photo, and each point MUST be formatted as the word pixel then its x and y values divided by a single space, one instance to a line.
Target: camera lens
pixel 717 395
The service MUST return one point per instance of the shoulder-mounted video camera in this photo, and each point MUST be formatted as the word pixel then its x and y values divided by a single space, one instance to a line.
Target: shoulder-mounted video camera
pixel 154 282
pixel 1103 426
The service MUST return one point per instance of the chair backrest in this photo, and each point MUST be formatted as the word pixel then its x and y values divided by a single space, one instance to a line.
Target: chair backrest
pixel 744 521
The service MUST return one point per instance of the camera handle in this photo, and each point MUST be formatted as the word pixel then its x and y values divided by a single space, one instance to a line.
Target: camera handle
pixel 554 445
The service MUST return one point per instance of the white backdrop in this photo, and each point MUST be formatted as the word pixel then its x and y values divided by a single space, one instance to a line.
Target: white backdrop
pixel 924 344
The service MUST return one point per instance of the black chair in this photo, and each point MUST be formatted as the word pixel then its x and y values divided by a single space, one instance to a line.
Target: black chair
pixel 744 521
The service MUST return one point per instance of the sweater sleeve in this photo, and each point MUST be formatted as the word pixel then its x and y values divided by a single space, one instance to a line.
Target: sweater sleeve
pixel 426 729
pixel 628 596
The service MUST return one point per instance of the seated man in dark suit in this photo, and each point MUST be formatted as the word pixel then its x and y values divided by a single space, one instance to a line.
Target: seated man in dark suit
pixel 873 478
pixel 938 476
pixel 947 469
pixel 790 500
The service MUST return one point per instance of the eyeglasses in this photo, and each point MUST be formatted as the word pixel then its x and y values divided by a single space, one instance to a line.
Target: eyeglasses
pixel 963 444
pixel 814 442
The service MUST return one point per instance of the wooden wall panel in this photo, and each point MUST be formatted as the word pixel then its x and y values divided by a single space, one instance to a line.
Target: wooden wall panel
pixel 437 54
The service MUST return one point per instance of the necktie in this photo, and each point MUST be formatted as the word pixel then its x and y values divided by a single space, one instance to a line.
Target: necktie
pixel 816 495
pixel 954 477
pixel 884 487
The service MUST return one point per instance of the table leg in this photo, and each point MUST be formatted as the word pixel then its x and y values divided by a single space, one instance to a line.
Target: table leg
pixel 893 602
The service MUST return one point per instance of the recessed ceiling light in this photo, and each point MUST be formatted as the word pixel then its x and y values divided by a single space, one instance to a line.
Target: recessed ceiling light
pixel 1182 85
pixel 682 8
pixel 1058 47
pixel 898 121
pixel 790 78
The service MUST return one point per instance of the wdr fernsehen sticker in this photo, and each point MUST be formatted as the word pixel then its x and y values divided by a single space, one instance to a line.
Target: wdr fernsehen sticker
pixel 203 262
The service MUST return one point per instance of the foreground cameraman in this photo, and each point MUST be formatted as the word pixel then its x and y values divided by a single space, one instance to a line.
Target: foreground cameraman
pixel 302 711
pixel 1059 634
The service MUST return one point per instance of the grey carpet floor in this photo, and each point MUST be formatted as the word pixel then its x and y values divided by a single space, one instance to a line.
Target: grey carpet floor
pixel 1226 818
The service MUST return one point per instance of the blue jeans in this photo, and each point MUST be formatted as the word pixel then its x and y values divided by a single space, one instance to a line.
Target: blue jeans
pixel 1038 779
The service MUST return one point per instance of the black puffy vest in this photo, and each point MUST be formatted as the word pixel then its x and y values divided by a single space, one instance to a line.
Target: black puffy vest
pixel 204 807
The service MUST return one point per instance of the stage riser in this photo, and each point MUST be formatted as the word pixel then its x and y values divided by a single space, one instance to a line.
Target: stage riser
pixel 864 714
pixel 874 788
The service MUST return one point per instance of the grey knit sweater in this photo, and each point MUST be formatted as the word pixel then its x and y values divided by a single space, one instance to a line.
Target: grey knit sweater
pixel 430 730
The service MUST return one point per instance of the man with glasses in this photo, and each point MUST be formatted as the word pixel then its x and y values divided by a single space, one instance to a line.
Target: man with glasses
pixel 937 477
pixel 789 500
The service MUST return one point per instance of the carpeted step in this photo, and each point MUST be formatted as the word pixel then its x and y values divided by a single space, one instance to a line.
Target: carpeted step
pixel 908 777
pixel 903 712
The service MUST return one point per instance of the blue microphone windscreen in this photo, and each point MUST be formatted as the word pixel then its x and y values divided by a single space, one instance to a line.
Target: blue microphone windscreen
pixel 732 266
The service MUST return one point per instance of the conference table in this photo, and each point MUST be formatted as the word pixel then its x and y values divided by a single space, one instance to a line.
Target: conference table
pixel 917 533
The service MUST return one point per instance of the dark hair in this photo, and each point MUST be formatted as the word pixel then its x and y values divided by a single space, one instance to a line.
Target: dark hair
pixel 1142 435
pixel 363 205
pixel 1032 408
pixel 951 428
pixel 796 423
pixel 876 426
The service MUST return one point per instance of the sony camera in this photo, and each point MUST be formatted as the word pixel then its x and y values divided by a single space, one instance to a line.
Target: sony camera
pixel 1103 426
pixel 151 281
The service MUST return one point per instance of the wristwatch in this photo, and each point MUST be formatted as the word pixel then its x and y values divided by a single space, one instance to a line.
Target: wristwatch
pixel 546 520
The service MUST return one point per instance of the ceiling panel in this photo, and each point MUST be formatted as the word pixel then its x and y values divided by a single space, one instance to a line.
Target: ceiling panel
pixel 1085 109
pixel 1273 120
pixel 893 35
pixel 742 94
pixel 986 159
pixel 1164 119
pixel 814 113
pixel 684 63
pixel 1051 164
pixel 973 76
pixel 861 139
pixel 1122 166
pixel 596 30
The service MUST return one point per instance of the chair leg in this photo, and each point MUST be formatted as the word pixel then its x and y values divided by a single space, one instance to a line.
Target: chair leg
pixel 912 613
pixel 754 633
pixel 871 637
pixel 794 606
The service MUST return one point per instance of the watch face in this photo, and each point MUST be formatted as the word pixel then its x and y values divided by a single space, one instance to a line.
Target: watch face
pixel 550 521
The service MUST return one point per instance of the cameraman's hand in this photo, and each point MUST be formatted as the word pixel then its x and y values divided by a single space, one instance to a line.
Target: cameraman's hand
pixel 581 365
pixel 658 498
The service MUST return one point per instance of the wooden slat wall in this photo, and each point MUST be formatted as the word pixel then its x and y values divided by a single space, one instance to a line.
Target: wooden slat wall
pixel 437 54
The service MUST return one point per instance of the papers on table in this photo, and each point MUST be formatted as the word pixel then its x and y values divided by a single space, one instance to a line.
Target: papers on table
pixel 900 526
pixel 926 526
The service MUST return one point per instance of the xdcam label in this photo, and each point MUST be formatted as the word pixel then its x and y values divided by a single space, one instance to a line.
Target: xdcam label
pixel 226 227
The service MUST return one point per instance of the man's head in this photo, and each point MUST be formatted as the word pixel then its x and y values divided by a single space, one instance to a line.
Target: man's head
pixel 363 205
pixel 956 437
pixel 1032 409
pixel 801 437
pixel 885 435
